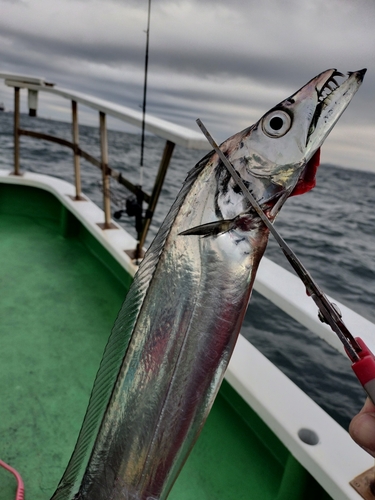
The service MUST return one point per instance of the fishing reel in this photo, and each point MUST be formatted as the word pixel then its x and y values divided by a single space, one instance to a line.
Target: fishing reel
pixel 133 208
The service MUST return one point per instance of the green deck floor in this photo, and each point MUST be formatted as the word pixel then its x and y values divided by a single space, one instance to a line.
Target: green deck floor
pixel 59 298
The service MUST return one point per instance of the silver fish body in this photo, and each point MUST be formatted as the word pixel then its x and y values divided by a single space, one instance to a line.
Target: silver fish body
pixel 177 329
pixel 185 333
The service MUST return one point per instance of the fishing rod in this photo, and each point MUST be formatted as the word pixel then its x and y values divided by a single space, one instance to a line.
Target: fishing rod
pixel 145 91
pixel 139 194
pixel 134 204
pixel 363 361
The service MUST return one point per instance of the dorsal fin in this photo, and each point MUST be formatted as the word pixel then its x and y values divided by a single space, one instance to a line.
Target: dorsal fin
pixel 116 349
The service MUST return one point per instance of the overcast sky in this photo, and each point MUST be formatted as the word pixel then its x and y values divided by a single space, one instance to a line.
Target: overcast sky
pixel 226 62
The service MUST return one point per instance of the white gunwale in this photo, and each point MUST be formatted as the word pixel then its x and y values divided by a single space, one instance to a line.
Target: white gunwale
pixel 286 409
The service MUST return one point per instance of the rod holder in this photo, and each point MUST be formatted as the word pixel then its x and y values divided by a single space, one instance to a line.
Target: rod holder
pixel 32 100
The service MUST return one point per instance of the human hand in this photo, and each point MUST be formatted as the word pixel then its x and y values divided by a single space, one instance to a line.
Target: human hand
pixel 362 427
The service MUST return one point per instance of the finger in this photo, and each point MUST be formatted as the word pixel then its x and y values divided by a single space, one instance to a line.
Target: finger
pixel 362 428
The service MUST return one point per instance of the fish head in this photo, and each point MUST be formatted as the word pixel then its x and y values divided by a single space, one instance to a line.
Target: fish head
pixel 279 155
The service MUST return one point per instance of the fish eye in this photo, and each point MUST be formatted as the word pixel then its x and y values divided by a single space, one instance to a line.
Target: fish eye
pixel 276 124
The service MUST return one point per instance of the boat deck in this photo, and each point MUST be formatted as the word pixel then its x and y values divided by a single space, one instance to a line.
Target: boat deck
pixel 60 293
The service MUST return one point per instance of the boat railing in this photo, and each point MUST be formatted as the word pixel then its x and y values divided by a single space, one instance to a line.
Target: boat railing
pixel 273 282
pixel 172 133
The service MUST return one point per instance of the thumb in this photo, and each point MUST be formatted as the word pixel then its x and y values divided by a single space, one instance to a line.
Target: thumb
pixel 362 427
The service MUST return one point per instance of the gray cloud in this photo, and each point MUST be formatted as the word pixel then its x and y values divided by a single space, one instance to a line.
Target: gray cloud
pixel 228 63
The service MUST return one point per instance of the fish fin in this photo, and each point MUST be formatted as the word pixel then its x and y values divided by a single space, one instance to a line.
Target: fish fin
pixel 209 229
pixel 244 222
pixel 116 351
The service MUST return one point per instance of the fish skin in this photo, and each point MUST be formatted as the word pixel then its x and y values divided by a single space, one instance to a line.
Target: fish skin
pixel 187 302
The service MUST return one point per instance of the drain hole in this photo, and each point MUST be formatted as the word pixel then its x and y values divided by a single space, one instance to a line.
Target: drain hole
pixel 308 436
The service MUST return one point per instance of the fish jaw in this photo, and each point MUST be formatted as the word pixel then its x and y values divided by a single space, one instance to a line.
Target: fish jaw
pixel 329 109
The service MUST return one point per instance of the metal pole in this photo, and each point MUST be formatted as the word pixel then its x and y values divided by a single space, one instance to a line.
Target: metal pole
pixel 145 92
pixel 16 134
pixel 77 169
pixel 163 167
pixel 104 152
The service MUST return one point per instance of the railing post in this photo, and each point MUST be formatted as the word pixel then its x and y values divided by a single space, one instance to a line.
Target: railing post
pixel 75 131
pixel 16 134
pixel 104 157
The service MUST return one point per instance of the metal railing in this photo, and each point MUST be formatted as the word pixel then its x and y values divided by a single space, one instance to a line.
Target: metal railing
pixel 174 134
pixel 278 285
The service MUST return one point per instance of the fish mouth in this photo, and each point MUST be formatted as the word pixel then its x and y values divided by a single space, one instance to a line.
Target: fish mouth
pixel 324 96
pixel 332 99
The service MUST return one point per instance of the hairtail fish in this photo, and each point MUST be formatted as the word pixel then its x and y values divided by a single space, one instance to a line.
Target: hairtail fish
pixel 176 331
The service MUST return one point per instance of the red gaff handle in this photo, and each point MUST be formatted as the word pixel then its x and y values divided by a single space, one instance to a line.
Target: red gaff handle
pixel 365 369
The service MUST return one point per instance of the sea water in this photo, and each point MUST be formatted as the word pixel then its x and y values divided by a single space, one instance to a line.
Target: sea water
pixel 331 228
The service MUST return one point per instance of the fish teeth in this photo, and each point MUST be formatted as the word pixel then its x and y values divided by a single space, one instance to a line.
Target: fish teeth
pixel 330 86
